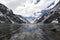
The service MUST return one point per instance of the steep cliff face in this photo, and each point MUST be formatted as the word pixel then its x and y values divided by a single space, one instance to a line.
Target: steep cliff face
pixel 7 16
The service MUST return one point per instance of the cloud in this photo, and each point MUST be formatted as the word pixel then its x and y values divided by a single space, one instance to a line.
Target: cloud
pixel 27 7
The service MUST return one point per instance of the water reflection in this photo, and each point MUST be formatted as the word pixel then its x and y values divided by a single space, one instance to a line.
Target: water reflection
pixel 29 32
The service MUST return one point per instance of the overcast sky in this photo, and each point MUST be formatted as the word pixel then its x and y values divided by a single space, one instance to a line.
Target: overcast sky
pixel 27 7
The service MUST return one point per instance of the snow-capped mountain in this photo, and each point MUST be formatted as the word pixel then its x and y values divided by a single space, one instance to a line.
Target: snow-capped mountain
pixel 30 9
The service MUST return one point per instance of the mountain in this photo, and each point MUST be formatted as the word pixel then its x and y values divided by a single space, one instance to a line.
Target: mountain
pixel 7 16
pixel 53 14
